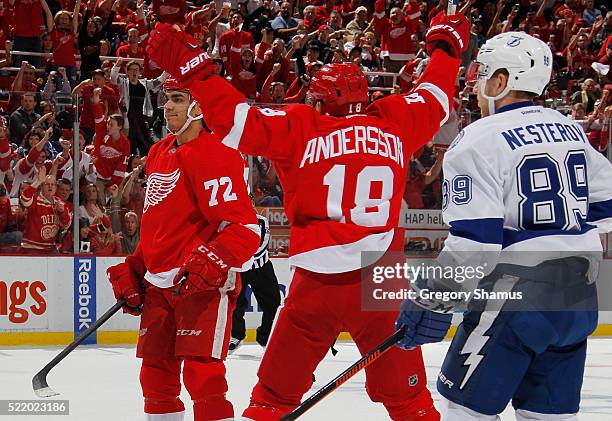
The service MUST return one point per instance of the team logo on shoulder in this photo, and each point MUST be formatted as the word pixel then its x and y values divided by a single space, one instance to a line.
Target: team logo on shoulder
pixel 159 186
pixel 413 380
pixel 456 140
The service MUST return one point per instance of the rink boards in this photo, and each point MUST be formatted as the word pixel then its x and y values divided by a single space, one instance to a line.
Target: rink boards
pixel 47 300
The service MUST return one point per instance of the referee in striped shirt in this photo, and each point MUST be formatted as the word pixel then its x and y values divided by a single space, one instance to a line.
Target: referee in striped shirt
pixel 262 280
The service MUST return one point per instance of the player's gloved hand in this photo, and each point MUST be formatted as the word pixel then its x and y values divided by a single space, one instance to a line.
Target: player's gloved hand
pixel 422 326
pixel 178 53
pixel 452 33
pixel 204 269
pixel 125 279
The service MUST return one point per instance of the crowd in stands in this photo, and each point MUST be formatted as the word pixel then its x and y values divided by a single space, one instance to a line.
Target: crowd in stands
pixel 67 61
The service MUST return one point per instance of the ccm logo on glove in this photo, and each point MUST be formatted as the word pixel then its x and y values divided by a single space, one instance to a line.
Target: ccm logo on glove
pixel 213 257
pixel 193 63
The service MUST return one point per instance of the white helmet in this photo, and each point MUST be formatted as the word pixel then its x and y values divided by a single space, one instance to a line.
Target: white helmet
pixel 528 61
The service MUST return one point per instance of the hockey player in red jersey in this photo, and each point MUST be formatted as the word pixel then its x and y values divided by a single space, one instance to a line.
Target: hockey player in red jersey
pixel 343 170
pixel 198 229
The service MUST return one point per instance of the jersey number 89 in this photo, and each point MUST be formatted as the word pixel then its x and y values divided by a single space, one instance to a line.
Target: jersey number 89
pixel 543 194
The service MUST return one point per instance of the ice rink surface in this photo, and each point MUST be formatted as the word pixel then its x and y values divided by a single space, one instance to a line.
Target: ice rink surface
pixel 101 382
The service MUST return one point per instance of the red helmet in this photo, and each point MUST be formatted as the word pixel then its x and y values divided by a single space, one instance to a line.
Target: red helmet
pixel 342 87
pixel 171 84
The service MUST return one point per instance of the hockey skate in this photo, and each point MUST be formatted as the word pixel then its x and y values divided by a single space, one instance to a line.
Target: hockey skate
pixel 234 345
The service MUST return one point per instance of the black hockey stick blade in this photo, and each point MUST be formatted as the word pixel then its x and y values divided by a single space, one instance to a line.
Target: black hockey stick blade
pixel 39 381
pixel 343 377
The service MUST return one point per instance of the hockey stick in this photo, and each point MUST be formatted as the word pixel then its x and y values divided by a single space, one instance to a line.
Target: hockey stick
pixel 343 377
pixel 39 381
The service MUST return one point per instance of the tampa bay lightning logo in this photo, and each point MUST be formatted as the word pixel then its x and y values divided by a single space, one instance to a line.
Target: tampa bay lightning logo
pixel 456 140
pixel 514 41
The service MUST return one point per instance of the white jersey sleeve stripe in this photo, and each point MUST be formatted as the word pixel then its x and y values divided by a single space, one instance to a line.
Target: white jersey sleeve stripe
pixel 240 115
pixel 440 96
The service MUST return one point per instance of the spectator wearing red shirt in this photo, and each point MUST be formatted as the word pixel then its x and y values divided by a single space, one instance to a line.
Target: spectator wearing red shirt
pixel 46 215
pixel 5 29
pixel 275 92
pixel 111 147
pixel 604 55
pixel 228 43
pixel 28 167
pixel 132 49
pixel 123 14
pixel 106 243
pixel 85 89
pixel 570 7
pixel 63 191
pixel 311 21
pixel 419 178
pixel 29 26
pixel 8 236
pixel 24 82
pixel 196 22
pixel 395 32
pixel 440 7
pixel 275 54
pixel 63 28
pixel 6 151
pixel 133 195
pixel 578 56
pixel 243 71
pixel 170 11
pixel 536 23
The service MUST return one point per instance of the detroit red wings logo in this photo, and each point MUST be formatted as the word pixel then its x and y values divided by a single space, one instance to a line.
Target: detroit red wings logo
pixel 159 186
pixel 109 152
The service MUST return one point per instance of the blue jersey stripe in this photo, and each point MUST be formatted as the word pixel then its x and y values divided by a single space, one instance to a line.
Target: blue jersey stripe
pixel 599 210
pixel 512 237
pixel 483 230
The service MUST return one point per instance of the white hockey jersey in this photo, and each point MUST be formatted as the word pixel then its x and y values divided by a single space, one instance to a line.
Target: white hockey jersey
pixel 524 180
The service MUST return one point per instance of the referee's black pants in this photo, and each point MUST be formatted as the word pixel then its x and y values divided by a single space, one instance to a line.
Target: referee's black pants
pixel 264 285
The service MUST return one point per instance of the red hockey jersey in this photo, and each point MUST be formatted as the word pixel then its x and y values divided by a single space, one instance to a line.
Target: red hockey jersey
pixel 196 193
pixel 43 221
pixel 343 178
pixel 111 156
pixel 395 40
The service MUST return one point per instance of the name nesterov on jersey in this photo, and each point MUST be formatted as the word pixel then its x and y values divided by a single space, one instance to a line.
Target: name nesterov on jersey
pixel 351 140
pixel 543 133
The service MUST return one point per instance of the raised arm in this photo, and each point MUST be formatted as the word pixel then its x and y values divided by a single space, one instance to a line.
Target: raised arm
pixel 48 15
pixel 75 16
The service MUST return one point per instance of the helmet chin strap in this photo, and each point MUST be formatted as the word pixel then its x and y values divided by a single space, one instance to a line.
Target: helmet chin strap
pixel 190 118
pixel 491 100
